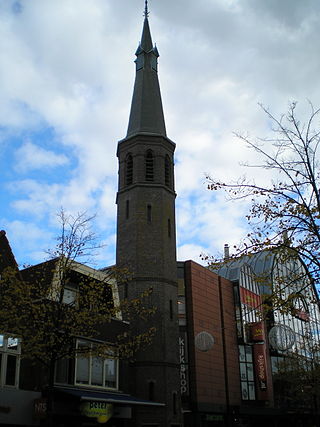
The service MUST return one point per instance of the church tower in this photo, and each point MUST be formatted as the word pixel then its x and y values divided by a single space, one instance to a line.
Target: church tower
pixel 146 237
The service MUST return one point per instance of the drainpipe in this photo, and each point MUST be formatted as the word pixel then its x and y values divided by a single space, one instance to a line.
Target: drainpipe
pixel 225 365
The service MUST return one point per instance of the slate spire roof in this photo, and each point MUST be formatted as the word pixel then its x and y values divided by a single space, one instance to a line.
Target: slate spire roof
pixel 146 114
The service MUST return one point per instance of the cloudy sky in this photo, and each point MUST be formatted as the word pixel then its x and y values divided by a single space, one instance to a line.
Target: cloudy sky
pixel 66 79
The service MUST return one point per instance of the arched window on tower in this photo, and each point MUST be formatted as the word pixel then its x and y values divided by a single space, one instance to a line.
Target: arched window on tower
pixel 149 165
pixel 129 169
pixel 167 171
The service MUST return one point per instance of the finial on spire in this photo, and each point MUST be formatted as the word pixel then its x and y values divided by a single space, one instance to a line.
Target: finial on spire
pixel 146 11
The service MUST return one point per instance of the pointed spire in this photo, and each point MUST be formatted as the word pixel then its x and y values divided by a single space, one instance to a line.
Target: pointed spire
pixel 146 41
pixel 146 114
pixel 146 12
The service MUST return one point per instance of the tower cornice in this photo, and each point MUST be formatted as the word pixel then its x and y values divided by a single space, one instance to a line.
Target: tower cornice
pixel 145 138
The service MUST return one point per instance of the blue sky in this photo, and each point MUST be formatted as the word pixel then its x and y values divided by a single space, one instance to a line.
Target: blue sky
pixel 66 79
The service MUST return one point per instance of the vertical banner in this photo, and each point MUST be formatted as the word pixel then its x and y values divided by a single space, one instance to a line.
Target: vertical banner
pixel 183 353
pixel 260 366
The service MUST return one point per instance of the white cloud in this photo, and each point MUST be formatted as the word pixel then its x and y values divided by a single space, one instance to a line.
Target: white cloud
pixel 68 65
pixel 28 240
pixel 30 156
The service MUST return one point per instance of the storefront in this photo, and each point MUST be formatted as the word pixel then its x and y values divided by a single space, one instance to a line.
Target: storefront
pixel 83 407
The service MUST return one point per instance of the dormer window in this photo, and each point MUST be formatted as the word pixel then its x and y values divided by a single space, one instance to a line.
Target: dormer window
pixel 149 166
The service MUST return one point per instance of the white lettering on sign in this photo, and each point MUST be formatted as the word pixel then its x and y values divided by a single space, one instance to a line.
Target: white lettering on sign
pixel 183 366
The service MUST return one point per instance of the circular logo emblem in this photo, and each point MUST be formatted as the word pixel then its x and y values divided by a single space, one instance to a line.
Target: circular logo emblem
pixel 204 341
pixel 281 337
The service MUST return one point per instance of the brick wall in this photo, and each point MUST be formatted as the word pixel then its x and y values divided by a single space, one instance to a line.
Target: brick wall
pixel 214 376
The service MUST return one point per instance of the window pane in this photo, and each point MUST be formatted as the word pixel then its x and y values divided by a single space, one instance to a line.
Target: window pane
pixel 62 371
pixel 244 391
pixel 69 296
pixel 12 344
pixel 248 354
pixel 11 370
pixel 111 373
pixel 251 391
pixel 97 371
pixel 250 372
pixel 243 371
pixel 82 370
pixel 275 364
pixel 1 341
pixel 182 305
pixel 242 356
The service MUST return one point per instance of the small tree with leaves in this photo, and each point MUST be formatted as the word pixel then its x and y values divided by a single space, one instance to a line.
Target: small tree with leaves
pixel 296 380
pixel 40 311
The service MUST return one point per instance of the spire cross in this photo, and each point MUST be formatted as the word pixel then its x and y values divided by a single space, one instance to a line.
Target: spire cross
pixel 146 11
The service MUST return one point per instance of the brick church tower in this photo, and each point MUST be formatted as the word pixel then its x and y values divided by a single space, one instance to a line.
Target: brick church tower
pixel 146 236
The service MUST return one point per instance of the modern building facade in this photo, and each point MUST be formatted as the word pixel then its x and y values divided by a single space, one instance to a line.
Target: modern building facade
pixel 210 376
pixel 278 329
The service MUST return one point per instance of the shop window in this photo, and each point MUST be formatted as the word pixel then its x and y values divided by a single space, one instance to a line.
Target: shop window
pixel 149 165
pixel 129 169
pixel 95 370
pixel 10 351
pixel 246 373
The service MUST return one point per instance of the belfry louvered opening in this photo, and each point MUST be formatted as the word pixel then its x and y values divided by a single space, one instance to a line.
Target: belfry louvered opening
pixel 167 171
pixel 149 166
pixel 129 169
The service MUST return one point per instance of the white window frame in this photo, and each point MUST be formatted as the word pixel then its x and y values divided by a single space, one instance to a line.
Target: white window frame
pixel 90 359
pixel 6 351
pixel 70 296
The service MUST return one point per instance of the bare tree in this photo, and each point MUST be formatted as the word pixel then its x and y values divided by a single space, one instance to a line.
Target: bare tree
pixel 285 213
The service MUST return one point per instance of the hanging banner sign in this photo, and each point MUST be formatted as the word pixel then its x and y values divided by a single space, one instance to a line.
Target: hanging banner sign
pixel 260 366
pixel 257 331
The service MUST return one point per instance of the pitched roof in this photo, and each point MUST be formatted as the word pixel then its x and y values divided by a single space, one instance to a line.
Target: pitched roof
pixel 7 258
